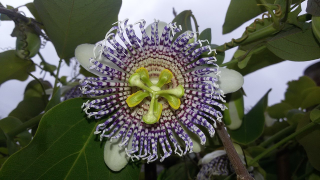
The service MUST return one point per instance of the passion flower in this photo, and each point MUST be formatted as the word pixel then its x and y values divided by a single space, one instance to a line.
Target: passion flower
pixel 155 90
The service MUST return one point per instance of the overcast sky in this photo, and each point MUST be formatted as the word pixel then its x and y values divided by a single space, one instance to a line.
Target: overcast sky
pixel 209 14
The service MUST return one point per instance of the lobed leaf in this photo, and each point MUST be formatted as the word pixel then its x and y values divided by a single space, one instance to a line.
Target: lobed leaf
pixel 13 67
pixel 310 141
pixel 295 45
pixel 240 11
pixel 252 124
pixel 64 147
pixel 70 23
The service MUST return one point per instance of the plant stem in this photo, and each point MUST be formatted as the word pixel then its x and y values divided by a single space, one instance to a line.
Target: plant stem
pixel 13 14
pixel 28 124
pixel 56 81
pixel 303 129
pixel 241 171
pixel 279 135
pixel 44 62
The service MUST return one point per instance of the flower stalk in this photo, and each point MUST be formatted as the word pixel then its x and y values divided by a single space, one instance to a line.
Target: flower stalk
pixel 241 171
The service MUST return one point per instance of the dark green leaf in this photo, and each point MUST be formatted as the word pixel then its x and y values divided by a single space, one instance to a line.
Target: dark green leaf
pixel 9 123
pixel 64 147
pixel 34 89
pixel 293 95
pixel 206 35
pixel 295 45
pixel 240 11
pixel 315 114
pixel 70 23
pixel 183 19
pixel 252 124
pixel 312 98
pixel 86 73
pixel 257 61
pixel 28 108
pixel 33 11
pixel 310 141
pixel 54 100
pixel 13 67
pixel 279 110
pixel 180 171
pixel 48 67
pixel 276 127
pixel 316 27
pixel 294 116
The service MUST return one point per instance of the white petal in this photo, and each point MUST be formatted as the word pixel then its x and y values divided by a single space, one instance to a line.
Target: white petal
pixel 208 157
pixel 161 26
pixel 84 52
pixel 230 80
pixel 115 157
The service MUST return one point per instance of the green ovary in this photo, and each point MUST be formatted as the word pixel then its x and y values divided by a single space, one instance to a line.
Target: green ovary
pixel 141 79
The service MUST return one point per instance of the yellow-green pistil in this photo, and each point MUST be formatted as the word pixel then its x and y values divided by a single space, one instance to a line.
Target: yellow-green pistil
pixel 141 79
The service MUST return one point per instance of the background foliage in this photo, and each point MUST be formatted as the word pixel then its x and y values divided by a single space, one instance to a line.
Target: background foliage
pixel 49 137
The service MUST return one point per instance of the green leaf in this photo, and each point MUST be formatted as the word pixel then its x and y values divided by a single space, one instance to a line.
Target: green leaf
pixel 180 171
pixel 240 11
pixel 295 45
pixel 257 61
pixel 34 101
pixel 293 95
pixel 64 143
pixel 86 73
pixel 48 67
pixel 312 98
pixel 34 89
pixel 28 108
pixel 56 99
pixel 33 11
pixel 315 114
pixel 183 19
pixel 9 123
pixel 316 27
pixel 70 23
pixel 252 124
pixel 13 67
pixel 206 35
pixel 310 141
pixel 279 110
pixel 294 116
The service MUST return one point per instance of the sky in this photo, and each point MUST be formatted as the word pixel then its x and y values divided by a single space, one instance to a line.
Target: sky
pixel 209 14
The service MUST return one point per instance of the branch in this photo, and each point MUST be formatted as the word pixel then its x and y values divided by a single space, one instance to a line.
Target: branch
pixel 13 14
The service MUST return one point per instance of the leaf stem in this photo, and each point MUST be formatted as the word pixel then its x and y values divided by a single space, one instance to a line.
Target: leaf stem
pixel 56 81
pixel 44 62
pixel 303 129
pixel 279 135
pixel 233 156
pixel 42 87
pixel 196 25
pixel 28 124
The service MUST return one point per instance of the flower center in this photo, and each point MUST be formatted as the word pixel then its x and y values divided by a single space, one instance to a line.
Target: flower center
pixel 141 80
